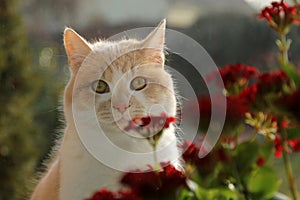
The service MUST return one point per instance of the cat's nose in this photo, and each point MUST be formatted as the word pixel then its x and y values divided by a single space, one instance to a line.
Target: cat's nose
pixel 121 107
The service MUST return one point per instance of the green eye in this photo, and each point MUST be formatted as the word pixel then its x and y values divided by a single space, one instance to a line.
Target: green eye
pixel 138 83
pixel 101 87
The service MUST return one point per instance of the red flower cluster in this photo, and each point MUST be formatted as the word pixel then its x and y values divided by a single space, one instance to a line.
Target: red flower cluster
pixel 266 83
pixel 154 123
pixel 272 81
pixel 204 165
pixel 155 184
pixel 236 108
pixel 234 74
pixel 249 94
pixel 291 103
pixel 236 79
pixel 240 95
pixel 105 194
pixel 292 145
pixel 146 184
pixel 280 15
pixel 191 153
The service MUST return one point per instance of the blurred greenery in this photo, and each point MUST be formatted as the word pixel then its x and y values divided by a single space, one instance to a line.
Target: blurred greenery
pixel 28 112
pixel 20 137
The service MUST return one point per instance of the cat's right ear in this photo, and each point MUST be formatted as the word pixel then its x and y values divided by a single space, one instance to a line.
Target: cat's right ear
pixel 77 48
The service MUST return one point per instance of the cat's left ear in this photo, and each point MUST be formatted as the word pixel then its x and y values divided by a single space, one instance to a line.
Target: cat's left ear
pixel 155 41
pixel 77 48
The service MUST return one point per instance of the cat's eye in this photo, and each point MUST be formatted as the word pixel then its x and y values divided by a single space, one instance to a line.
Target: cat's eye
pixel 138 83
pixel 100 87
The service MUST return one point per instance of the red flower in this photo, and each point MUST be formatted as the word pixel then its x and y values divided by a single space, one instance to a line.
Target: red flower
pixel 234 74
pixel 292 145
pixel 128 195
pixel 155 184
pixel 191 153
pixel 168 120
pixel 280 15
pixel 260 161
pixel 249 94
pixel 236 108
pixel 267 83
pixel 206 164
pixel 291 103
pixel 141 121
pixel 272 81
pixel 155 124
pixel 105 194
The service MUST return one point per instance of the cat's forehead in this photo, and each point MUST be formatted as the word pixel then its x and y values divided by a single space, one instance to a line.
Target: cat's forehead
pixel 112 61
pixel 114 66
pixel 107 45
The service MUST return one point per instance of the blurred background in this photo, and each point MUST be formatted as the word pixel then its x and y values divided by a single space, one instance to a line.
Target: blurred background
pixel 33 63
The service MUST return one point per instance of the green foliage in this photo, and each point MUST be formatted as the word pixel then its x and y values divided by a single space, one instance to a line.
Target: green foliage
pixel 292 72
pixel 235 175
pixel 219 193
pixel 263 183
pixel 47 106
pixel 246 154
pixel 19 134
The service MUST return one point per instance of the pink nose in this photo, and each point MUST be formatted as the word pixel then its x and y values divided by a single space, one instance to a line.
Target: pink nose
pixel 121 107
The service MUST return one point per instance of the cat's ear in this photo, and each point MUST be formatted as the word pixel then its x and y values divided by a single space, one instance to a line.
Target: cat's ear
pixel 77 48
pixel 156 40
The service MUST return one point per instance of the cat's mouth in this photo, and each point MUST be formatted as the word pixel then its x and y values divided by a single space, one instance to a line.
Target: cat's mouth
pixel 122 122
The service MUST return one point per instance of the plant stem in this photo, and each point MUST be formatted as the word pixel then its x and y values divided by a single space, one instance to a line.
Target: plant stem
pixel 155 156
pixel 153 143
pixel 235 172
pixel 253 135
pixel 283 46
pixel 287 162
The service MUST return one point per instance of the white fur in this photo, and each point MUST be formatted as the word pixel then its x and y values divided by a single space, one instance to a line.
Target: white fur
pixel 82 174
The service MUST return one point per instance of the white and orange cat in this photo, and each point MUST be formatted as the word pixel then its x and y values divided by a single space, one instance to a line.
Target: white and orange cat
pixel 121 80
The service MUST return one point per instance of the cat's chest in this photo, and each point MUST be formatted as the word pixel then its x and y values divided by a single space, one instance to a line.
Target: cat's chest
pixel 82 174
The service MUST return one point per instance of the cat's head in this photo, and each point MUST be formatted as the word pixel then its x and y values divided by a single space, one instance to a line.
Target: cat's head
pixel 119 80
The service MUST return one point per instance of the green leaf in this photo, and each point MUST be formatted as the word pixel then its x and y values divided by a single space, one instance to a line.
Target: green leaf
pixel 217 193
pixel 185 194
pixel 263 183
pixel 245 155
pixel 266 149
pixel 292 73
pixel 293 133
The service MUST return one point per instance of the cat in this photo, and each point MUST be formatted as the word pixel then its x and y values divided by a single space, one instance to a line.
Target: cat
pixel 115 81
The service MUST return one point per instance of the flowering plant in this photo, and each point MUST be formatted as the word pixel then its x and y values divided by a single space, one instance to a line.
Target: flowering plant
pixel 262 124
pixel 149 184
